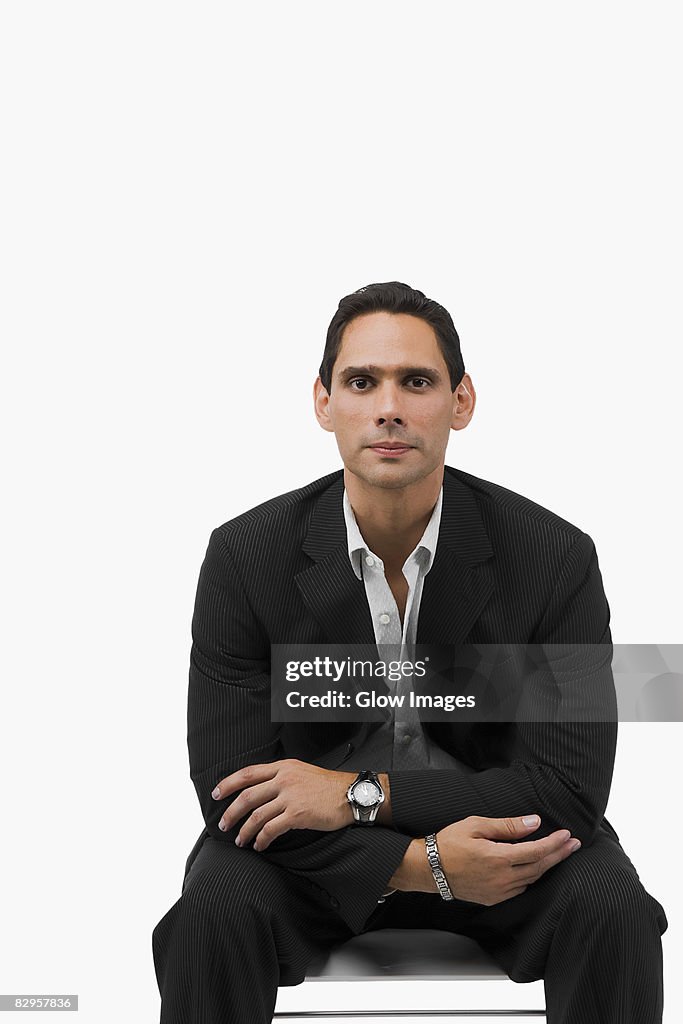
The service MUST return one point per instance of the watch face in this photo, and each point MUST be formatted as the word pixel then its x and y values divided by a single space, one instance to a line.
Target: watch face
pixel 365 793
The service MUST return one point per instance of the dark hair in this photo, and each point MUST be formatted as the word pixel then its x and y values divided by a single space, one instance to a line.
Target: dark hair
pixel 393 297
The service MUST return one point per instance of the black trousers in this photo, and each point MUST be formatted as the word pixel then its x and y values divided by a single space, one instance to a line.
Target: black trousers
pixel 244 926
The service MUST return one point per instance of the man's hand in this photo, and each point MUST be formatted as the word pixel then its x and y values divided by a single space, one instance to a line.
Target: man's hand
pixel 479 865
pixel 283 795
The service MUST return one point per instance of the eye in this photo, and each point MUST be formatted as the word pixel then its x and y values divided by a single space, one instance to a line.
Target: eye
pixel 421 383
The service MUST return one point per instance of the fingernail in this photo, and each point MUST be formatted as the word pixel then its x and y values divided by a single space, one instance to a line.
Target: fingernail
pixel 574 844
pixel 531 819
pixel 238 841
pixel 221 825
pixel 216 793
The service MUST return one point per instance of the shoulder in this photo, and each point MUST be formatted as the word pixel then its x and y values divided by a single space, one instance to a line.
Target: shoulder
pixel 284 517
pixel 501 503
pixel 524 535
pixel 536 551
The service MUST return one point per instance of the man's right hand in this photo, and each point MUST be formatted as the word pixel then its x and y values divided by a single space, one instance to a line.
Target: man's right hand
pixel 481 862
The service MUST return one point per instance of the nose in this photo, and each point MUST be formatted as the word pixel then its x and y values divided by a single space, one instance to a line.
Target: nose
pixel 388 404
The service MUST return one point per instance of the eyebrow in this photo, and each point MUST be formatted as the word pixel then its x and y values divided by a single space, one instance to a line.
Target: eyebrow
pixel 378 371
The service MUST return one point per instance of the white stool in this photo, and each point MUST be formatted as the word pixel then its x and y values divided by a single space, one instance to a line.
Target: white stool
pixel 408 976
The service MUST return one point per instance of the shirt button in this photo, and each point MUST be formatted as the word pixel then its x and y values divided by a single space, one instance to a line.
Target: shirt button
pixel 334 902
pixel 407 738
pixel 369 560
pixel 384 618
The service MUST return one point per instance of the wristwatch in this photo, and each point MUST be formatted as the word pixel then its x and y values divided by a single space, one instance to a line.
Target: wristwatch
pixel 365 794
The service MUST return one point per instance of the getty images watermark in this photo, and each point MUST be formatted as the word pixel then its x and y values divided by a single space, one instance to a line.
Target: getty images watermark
pixel 477 682
pixel 365 670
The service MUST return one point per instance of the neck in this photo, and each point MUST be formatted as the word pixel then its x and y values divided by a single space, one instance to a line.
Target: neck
pixel 393 519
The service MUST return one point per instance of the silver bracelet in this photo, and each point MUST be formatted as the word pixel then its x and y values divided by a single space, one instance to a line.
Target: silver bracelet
pixel 437 870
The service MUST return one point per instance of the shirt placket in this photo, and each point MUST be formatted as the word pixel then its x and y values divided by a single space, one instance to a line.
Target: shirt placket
pixel 397 645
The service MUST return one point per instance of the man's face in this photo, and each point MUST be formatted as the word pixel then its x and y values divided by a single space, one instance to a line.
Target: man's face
pixel 390 383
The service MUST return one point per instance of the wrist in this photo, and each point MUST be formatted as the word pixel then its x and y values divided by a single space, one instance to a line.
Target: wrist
pixel 434 860
pixel 414 873
pixel 384 812
pixel 344 808
pixel 366 799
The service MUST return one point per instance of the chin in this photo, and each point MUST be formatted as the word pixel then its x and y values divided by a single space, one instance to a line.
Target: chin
pixel 389 476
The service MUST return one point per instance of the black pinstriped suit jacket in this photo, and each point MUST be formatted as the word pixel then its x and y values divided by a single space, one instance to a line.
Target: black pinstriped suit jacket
pixel 506 571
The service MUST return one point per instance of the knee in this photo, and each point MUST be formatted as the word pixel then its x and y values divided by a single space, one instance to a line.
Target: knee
pixel 229 890
pixel 611 899
pixel 162 933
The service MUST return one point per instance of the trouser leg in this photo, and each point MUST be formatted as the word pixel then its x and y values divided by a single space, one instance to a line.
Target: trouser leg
pixel 591 931
pixel 242 927
pixel 605 961
pixel 587 927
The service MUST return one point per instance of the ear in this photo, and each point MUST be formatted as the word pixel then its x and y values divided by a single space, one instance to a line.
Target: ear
pixel 464 401
pixel 321 401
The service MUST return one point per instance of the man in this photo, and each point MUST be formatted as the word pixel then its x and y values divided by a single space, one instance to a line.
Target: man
pixel 492 830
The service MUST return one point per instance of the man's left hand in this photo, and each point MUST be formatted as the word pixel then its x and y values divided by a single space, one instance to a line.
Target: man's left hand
pixel 283 795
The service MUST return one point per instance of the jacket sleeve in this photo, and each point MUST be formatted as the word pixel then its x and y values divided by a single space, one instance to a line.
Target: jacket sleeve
pixel 559 769
pixel 229 726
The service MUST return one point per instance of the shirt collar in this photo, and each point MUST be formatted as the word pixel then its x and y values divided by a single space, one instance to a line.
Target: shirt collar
pixel 425 548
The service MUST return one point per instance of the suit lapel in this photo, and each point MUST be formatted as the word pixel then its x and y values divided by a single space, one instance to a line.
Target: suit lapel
pixel 455 593
pixel 333 594
pixel 455 589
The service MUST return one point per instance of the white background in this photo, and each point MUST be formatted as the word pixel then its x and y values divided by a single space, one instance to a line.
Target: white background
pixel 187 191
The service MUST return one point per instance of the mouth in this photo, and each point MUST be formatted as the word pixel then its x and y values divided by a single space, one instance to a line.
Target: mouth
pixel 391 450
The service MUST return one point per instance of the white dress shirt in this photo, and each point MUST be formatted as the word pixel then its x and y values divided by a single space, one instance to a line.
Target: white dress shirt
pixel 401 742
pixel 370 568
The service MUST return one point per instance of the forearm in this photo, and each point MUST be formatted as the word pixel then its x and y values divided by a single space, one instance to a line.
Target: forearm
pixel 559 769
pixel 351 865
pixel 413 874
pixel 425 801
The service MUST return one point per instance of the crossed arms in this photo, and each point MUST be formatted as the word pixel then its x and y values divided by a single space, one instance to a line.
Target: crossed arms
pixel 559 771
